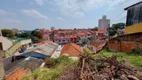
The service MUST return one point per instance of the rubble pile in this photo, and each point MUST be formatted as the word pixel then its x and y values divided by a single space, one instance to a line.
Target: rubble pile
pixel 100 69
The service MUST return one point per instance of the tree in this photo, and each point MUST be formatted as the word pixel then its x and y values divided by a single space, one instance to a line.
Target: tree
pixel 7 33
pixel 34 36
pixel 113 29
pixel 52 28
pixel 24 35
pixel 95 28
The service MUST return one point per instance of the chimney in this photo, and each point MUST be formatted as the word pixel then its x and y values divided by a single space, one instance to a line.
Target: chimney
pixel 2 71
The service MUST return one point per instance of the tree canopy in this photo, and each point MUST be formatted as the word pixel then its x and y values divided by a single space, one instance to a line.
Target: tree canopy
pixel 113 29
pixel 7 33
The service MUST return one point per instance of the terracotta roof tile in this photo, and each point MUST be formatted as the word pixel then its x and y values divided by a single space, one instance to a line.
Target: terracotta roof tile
pixel 16 74
pixel 71 49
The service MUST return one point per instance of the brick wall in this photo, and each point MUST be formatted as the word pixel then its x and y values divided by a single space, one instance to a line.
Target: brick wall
pixel 123 46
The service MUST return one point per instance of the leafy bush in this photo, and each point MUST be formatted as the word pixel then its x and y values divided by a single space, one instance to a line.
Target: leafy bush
pixel 49 62
pixel 136 50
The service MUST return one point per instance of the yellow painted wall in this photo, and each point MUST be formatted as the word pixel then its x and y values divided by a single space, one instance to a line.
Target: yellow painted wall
pixel 88 50
pixel 134 28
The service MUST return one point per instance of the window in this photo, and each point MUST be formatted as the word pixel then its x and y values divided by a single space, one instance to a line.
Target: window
pixel 63 40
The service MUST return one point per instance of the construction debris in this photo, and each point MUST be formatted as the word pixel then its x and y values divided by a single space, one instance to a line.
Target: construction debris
pixel 104 68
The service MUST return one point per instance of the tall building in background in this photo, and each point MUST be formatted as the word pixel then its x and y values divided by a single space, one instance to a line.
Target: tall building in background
pixel 104 23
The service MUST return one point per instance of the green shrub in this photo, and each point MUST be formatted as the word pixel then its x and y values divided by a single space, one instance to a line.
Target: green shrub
pixel 49 62
pixel 57 66
pixel 136 50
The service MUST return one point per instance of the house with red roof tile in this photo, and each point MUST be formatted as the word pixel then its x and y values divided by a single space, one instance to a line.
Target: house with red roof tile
pixel 101 34
pixel 16 74
pixel 63 36
pixel 72 50
pixel 44 34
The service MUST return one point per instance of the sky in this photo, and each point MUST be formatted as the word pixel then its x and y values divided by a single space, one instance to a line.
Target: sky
pixel 64 14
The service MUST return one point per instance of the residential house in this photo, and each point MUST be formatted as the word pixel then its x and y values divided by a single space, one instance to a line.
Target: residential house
pixel 15 74
pixel 94 46
pixel 16 69
pixel 16 31
pixel 43 51
pixel 63 36
pixel 72 50
pixel 57 52
pixel 4 42
pixel 44 34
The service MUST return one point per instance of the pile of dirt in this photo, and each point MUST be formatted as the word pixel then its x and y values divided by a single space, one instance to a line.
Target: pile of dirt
pixel 100 69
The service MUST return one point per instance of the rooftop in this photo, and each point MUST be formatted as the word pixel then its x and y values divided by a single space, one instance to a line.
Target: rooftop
pixel 133 5
pixel 72 50
pixel 16 74
pixel 46 49
pixel 27 63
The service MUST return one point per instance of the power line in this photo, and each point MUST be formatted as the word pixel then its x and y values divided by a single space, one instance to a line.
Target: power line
pixel 118 16
pixel 120 19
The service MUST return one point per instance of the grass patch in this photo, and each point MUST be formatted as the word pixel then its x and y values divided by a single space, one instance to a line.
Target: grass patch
pixel 132 58
pixel 53 72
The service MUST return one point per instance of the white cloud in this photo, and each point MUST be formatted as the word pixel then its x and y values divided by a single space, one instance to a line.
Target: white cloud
pixel 40 2
pixel 79 14
pixel 35 14
pixel 60 19
pixel 112 4
pixel 69 8
pixel 6 18
pixel 90 4
pixel 11 21
pixel 3 13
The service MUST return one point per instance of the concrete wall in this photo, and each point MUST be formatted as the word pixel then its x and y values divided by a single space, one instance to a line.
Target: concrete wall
pixel 6 43
pixel 7 61
pixel 124 46
pixel 16 46
pixel 134 28
pixel 2 72
pixel 23 42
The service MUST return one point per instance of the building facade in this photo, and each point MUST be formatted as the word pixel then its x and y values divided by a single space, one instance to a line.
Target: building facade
pixel 4 42
pixel 104 23
pixel 134 18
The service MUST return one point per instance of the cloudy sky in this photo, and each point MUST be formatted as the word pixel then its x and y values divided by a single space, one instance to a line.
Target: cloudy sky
pixel 31 14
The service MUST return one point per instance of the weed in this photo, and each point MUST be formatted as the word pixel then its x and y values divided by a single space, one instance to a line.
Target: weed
pixel 56 68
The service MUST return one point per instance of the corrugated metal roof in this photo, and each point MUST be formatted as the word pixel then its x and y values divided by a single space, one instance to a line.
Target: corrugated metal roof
pixel 46 49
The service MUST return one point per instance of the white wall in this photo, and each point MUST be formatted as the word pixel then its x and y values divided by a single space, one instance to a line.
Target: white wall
pixel 26 41
pixel 6 43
